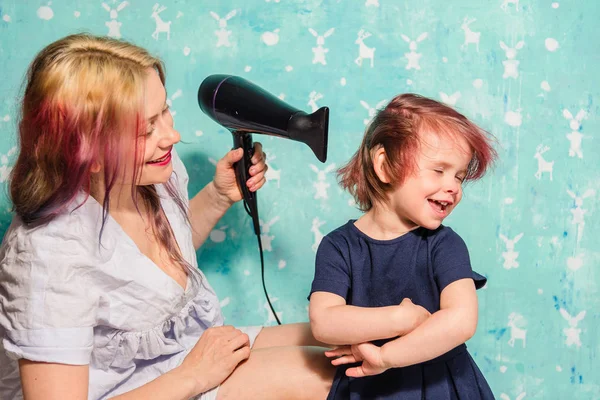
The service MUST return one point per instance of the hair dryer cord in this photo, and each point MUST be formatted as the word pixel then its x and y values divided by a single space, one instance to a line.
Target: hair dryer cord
pixel 262 268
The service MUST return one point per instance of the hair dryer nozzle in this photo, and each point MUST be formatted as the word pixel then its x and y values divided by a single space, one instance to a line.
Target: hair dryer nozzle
pixel 311 129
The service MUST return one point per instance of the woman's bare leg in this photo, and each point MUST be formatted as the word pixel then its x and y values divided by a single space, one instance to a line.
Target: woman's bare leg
pixel 286 335
pixel 280 373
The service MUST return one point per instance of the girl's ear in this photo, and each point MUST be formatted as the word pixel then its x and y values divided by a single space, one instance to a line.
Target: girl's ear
pixel 379 164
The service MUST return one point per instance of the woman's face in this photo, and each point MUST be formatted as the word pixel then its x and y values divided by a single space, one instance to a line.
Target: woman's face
pixel 159 137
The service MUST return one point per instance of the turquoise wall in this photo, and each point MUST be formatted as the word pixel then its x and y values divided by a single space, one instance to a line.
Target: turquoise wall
pixel 521 69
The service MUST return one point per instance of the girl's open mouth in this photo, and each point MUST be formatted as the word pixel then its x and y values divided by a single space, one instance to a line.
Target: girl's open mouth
pixel 438 206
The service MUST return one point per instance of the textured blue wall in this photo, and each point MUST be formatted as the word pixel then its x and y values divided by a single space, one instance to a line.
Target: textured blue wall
pixel 521 69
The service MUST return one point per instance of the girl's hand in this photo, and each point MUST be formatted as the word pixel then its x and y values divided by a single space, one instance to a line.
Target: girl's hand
pixel 368 353
pixel 225 181
pixel 214 357
pixel 411 315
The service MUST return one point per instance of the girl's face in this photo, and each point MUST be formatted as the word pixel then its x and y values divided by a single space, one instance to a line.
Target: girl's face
pixel 430 194
pixel 159 137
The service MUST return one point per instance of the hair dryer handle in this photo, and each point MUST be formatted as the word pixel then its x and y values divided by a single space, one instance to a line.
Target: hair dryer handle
pixel 242 173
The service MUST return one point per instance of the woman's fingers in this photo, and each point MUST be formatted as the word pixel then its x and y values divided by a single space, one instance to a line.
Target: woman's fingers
pixel 254 185
pixel 259 155
pixel 238 341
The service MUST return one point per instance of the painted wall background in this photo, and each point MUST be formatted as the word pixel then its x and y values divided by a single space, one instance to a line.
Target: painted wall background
pixel 522 69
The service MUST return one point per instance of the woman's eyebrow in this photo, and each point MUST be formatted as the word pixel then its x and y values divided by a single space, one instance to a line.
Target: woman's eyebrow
pixel 154 117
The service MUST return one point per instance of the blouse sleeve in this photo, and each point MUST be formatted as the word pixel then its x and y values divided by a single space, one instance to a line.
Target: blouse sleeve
pixel 47 303
pixel 451 261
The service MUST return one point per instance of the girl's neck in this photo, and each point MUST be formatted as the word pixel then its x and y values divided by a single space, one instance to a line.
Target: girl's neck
pixel 382 224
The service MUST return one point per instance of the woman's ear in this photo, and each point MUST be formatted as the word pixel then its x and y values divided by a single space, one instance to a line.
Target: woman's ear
pixel 379 164
pixel 95 167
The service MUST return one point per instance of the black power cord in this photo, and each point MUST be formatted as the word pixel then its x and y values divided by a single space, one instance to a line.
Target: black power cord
pixel 262 267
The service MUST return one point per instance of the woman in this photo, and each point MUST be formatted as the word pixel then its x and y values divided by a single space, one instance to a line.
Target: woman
pixel 100 292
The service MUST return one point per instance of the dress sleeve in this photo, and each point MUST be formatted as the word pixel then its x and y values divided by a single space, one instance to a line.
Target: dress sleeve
pixel 332 272
pixel 451 262
pixel 48 309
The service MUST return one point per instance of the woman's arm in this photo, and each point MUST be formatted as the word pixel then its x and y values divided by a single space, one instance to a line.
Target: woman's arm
pixel 206 209
pixel 334 322
pixel 216 354
pixel 50 381
pixel 453 325
pixel 213 201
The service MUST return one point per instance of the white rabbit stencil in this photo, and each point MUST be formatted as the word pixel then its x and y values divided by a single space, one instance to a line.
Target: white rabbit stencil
pixel 272 174
pixel 450 99
pixel 413 57
pixel 264 236
pixel 271 317
pixel 178 93
pixel 114 26
pixel 223 33
pixel 320 184
pixel 575 136
pixel 511 65
pixel 372 110
pixel 319 51
pixel 313 97
pixel 316 224
pixel 578 211
pixel 510 255
pixel 161 26
pixel 572 332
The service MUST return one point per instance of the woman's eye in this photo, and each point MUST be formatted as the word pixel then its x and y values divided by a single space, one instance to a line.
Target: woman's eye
pixel 150 129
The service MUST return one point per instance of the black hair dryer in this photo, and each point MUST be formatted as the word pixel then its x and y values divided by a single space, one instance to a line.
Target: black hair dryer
pixel 244 108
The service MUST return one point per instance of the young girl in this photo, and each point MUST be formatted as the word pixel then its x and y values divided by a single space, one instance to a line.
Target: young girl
pixel 378 278
pixel 100 292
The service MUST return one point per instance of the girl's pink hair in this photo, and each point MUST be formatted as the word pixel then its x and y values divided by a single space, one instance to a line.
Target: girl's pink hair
pixel 396 128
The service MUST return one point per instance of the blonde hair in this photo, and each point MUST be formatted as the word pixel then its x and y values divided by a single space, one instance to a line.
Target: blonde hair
pixel 84 103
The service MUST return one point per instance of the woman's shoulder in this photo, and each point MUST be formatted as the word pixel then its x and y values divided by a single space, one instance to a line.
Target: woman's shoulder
pixel 73 232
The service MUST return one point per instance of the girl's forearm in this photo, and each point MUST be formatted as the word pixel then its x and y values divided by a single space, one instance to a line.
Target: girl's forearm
pixel 442 332
pixel 345 324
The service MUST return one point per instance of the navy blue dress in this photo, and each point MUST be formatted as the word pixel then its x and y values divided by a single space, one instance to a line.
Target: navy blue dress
pixel 378 273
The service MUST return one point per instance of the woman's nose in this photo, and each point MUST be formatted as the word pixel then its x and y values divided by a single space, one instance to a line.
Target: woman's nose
pixel 170 136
